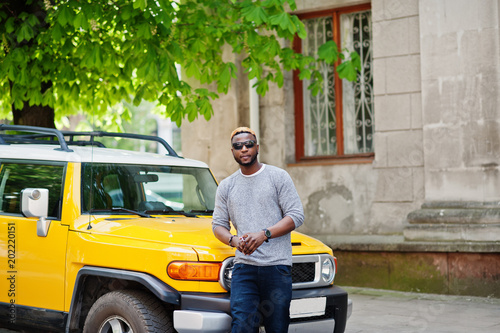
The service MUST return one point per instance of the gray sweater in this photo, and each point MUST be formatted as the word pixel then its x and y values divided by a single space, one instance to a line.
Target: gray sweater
pixel 255 202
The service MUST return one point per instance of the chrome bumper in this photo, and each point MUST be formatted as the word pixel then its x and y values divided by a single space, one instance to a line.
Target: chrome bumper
pixel 349 308
pixel 207 313
pixel 187 321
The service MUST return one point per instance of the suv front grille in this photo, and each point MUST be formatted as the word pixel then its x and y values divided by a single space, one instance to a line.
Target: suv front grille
pixel 303 272
pixel 312 270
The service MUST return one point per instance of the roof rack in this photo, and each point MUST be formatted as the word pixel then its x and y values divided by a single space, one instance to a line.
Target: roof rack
pixel 43 132
pixel 10 138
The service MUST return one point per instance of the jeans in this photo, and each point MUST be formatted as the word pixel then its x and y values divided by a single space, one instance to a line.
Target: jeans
pixel 261 295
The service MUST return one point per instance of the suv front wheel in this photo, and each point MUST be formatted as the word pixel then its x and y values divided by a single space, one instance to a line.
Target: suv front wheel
pixel 126 311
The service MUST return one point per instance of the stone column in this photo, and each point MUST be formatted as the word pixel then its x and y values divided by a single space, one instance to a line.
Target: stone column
pixel 459 43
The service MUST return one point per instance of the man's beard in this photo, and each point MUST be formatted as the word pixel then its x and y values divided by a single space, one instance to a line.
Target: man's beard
pixel 252 161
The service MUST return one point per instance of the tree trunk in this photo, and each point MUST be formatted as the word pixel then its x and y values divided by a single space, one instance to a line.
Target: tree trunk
pixel 35 115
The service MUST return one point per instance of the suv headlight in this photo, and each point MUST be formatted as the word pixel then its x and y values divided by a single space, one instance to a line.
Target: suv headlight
pixel 328 270
pixel 226 273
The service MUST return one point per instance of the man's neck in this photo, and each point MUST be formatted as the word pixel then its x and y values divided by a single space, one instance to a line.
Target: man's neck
pixel 248 170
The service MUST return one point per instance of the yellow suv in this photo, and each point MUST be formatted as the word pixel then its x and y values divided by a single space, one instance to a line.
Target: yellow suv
pixel 97 239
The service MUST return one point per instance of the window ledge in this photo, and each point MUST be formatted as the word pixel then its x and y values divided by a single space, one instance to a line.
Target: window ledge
pixel 323 160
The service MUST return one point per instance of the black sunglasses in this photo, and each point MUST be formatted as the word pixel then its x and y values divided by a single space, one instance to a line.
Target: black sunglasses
pixel 248 144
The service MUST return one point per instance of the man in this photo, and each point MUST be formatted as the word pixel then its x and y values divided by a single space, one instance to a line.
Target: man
pixel 263 205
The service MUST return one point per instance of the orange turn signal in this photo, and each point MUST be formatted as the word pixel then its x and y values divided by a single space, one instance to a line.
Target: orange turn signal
pixel 194 271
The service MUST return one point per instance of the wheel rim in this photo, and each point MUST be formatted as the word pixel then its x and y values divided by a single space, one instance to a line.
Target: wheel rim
pixel 115 324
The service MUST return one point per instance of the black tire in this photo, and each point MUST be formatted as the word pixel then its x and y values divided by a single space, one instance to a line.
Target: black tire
pixel 130 310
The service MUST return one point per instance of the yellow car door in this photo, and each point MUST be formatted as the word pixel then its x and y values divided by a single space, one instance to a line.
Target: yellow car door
pixel 33 262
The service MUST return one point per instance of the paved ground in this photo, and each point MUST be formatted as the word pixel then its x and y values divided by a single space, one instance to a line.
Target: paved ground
pixel 381 311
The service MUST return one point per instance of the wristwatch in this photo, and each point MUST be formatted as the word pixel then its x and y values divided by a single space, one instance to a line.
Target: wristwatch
pixel 268 234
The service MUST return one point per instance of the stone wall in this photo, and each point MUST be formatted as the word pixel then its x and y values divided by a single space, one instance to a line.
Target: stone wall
pixel 460 87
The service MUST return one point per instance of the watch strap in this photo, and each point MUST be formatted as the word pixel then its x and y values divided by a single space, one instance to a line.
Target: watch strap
pixel 267 233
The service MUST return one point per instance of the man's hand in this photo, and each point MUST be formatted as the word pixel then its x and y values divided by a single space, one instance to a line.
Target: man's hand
pixel 252 240
pixel 249 242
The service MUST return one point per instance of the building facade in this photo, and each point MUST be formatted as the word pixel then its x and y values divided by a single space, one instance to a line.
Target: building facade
pixel 399 171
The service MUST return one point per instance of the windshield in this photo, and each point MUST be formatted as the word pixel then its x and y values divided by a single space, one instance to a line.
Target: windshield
pixel 146 188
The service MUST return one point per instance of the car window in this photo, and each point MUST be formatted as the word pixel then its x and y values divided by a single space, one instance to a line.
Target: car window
pixel 14 177
pixel 147 187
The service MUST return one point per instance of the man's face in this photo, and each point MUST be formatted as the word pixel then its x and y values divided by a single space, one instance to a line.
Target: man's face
pixel 246 156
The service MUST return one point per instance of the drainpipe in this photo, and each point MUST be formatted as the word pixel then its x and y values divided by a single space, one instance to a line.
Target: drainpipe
pixel 254 107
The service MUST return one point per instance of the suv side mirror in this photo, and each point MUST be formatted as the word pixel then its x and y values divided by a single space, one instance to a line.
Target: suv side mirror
pixel 35 203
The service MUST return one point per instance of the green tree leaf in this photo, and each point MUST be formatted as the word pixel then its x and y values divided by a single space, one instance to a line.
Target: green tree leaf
pixel 349 70
pixel 192 111
pixel 25 32
pixel 9 25
pixel 328 52
pixel 81 21
pixel 255 14
pixel 284 21
pixel 57 32
pixel 140 4
pixel 65 15
pixel 292 4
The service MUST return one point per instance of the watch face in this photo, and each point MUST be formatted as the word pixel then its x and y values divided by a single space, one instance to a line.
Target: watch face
pixel 268 233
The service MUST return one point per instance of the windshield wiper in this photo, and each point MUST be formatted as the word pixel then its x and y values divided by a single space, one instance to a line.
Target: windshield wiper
pixel 206 211
pixel 170 212
pixel 121 209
